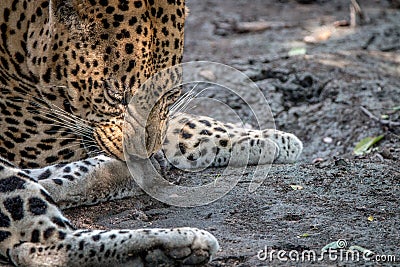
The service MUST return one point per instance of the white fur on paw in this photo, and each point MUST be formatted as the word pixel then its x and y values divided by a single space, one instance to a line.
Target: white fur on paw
pixel 188 246
pixel 290 147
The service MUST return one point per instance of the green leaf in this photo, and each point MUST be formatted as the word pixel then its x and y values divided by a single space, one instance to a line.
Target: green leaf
pixel 296 187
pixel 363 147
pixel 303 235
pixel 297 51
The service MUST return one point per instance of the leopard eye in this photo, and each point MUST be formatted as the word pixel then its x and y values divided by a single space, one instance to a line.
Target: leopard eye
pixel 173 95
pixel 125 99
pixel 112 94
pixel 115 95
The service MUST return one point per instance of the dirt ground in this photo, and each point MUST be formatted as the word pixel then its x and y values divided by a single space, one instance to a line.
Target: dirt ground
pixel 317 95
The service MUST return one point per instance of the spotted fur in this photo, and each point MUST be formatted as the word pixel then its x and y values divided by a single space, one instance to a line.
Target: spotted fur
pixel 68 68
pixel 197 142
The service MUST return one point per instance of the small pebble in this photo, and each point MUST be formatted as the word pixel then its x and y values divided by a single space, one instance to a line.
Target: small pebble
pixel 386 154
pixel 317 160
pixel 208 75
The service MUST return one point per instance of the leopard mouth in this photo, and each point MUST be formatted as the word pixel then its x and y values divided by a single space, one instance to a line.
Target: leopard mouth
pixel 108 137
pixel 141 142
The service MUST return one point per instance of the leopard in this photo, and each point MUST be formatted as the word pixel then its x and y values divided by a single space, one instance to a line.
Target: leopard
pixel 68 71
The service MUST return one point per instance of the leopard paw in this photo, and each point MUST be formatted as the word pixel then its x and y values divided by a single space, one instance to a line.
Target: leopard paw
pixel 197 250
pixel 145 247
pixel 289 146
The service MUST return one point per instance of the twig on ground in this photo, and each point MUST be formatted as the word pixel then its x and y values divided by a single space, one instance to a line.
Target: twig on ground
pixel 353 16
pixel 355 10
pixel 256 26
pixel 381 121
pixel 379 156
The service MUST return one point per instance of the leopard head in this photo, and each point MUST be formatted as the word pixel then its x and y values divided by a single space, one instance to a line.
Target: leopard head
pixel 102 51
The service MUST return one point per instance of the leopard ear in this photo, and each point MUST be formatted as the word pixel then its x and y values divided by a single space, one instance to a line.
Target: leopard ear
pixel 80 8
pixel 69 12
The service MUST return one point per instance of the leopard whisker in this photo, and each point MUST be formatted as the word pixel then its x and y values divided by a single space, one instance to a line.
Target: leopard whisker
pixel 182 100
pixel 52 107
pixel 72 116
pixel 92 146
pixel 64 138
pixel 78 132
pixel 74 129
pixel 68 125
pixel 92 153
pixel 188 100
pixel 65 120
pixel 69 117
pixel 71 146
